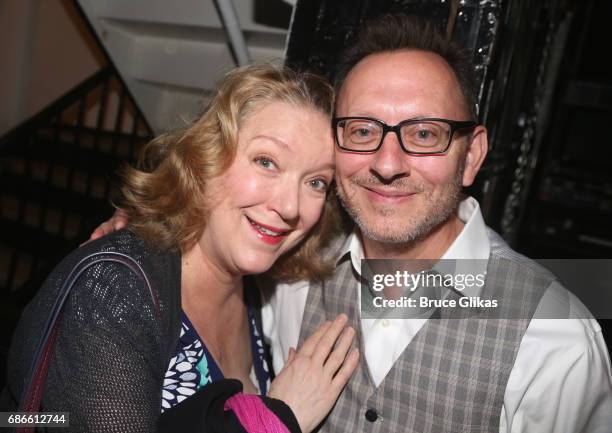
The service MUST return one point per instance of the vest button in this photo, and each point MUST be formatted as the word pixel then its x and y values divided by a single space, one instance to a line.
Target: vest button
pixel 371 415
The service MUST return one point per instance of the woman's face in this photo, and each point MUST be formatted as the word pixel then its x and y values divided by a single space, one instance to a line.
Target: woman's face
pixel 274 191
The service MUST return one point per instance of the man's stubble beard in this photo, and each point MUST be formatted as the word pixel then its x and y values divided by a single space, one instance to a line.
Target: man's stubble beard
pixel 436 210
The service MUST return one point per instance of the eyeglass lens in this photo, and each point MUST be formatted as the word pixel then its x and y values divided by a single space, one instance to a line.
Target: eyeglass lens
pixel 416 136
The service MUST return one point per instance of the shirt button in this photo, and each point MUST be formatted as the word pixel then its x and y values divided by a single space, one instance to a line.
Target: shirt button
pixel 371 415
pixel 385 323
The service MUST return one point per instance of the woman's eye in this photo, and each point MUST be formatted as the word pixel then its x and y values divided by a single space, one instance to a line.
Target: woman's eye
pixel 264 162
pixel 319 184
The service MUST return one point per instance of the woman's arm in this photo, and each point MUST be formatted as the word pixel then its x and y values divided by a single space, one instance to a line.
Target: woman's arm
pixel 107 367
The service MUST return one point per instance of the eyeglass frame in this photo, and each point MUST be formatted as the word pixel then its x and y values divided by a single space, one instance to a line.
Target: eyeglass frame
pixel 455 125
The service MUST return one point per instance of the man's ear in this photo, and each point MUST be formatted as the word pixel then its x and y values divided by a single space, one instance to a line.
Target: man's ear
pixel 477 148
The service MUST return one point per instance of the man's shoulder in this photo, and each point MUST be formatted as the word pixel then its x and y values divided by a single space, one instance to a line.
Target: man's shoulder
pixel 560 303
pixel 556 302
pixel 502 252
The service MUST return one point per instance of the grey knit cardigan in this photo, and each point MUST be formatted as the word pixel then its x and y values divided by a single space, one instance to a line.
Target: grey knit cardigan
pixel 112 348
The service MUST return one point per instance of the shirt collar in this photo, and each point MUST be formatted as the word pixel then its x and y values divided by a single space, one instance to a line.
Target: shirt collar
pixel 472 242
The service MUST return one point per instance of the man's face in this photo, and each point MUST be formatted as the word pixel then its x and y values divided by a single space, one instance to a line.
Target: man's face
pixel 392 196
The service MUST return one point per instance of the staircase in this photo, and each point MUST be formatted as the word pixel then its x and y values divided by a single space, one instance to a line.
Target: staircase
pixel 171 54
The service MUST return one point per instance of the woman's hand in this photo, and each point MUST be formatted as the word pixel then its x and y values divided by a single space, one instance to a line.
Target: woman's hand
pixel 313 377
pixel 118 221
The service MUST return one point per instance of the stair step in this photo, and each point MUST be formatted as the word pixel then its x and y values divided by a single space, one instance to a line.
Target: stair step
pixel 170 107
pixel 190 63
pixel 32 242
pixel 199 32
pixel 25 198
pixel 88 135
pixel 110 142
pixel 61 177
pixel 26 252
pixel 196 13
pixel 67 157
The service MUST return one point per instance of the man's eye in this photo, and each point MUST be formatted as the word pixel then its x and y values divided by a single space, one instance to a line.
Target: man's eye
pixel 423 137
pixel 424 134
pixel 361 133
pixel 265 162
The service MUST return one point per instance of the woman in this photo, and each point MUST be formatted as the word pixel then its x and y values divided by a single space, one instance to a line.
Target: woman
pixel 223 199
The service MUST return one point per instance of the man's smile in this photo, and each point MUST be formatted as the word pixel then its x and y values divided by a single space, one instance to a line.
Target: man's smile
pixel 387 195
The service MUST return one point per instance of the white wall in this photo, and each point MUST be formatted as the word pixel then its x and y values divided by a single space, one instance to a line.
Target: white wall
pixel 45 50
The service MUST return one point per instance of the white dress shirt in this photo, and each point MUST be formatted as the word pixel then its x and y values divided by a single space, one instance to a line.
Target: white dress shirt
pixel 561 381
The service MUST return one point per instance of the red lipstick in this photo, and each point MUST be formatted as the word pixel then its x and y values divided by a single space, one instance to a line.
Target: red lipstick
pixel 268 234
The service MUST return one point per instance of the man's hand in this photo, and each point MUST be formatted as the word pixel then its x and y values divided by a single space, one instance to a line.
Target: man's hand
pixel 118 221
pixel 314 376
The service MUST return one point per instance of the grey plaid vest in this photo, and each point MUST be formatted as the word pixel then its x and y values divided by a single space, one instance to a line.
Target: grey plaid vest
pixel 453 374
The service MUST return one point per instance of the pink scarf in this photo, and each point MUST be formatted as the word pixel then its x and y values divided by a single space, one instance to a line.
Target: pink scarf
pixel 254 415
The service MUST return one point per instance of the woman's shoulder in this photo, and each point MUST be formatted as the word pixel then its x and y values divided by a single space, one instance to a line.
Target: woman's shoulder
pixel 121 241
pixel 107 287
pixel 121 247
pixel 107 298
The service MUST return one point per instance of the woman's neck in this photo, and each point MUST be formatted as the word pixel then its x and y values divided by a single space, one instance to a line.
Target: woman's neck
pixel 207 289
pixel 201 276
pixel 213 299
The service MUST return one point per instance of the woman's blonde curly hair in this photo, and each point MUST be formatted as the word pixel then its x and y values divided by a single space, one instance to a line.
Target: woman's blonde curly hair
pixel 165 196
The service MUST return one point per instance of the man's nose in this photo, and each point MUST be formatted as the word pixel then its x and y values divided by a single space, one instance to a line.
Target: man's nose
pixel 390 161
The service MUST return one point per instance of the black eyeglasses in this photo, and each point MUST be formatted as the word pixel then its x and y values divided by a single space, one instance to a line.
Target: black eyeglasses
pixel 416 136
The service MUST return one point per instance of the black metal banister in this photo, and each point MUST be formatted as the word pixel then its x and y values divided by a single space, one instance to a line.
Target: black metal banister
pixel 58 105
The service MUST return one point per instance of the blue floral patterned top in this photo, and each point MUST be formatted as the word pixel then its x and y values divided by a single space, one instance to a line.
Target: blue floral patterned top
pixel 193 366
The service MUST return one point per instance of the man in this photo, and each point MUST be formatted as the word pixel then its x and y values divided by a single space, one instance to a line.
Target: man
pixel 402 187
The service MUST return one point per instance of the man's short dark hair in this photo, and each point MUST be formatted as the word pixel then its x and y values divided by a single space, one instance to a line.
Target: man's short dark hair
pixel 393 32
